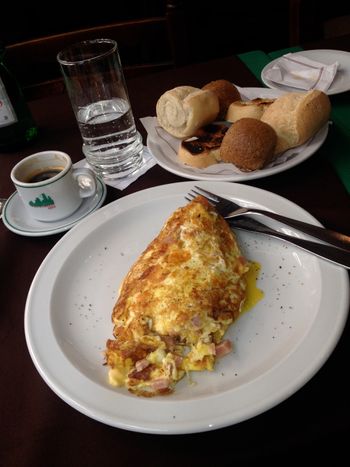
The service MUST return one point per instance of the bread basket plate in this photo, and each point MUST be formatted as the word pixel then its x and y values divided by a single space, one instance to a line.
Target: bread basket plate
pixel 164 149
pixel 278 345
pixel 341 81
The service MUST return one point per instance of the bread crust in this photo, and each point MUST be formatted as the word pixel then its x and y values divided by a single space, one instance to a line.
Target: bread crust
pixel 296 117
pixel 181 111
pixel 226 92
pixel 203 150
pixel 247 109
pixel 249 144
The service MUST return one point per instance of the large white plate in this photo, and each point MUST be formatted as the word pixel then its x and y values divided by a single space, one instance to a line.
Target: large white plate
pixel 341 81
pixel 166 154
pixel 278 345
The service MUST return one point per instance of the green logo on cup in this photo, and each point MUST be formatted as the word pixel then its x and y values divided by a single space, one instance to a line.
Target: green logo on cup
pixel 42 201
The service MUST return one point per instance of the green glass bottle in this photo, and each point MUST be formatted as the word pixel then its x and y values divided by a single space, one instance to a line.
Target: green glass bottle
pixel 17 126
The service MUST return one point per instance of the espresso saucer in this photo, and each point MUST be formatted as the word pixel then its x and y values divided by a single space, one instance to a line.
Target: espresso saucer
pixel 17 220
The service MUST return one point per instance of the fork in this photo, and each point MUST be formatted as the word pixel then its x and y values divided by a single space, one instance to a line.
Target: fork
pixel 328 252
pixel 228 209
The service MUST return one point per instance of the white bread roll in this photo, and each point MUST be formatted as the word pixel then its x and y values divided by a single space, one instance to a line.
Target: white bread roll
pixel 296 117
pixel 181 111
pixel 203 149
pixel 247 109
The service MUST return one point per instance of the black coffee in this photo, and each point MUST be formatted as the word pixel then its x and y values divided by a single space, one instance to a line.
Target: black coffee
pixel 43 174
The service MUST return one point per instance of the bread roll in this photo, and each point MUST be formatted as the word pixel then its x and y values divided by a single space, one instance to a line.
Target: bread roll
pixel 296 117
pixel 181 111
pixel 249 144
pixel 226 92
pixel 203 149
pixel 247 109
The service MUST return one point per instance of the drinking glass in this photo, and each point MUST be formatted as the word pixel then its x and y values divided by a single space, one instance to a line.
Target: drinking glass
pixel 95 83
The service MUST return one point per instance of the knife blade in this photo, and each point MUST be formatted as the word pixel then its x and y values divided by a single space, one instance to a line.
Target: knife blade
pixel 335 255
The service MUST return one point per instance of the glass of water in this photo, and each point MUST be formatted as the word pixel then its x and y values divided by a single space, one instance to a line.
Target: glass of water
pixel 95 83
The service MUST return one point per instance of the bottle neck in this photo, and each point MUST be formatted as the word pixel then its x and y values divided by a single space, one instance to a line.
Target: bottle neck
pixel 16 123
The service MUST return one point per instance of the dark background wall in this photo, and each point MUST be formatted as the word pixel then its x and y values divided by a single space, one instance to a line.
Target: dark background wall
pixel 31 19
pixel 214 28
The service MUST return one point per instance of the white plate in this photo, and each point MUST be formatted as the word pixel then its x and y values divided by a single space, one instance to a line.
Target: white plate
pixel 16 218
pixel 341 81
pixel 278 345
pixel 165 153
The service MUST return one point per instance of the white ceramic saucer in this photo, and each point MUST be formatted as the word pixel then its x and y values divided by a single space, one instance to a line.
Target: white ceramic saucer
pixel 16 218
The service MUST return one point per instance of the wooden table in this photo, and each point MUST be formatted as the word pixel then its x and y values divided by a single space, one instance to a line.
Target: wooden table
pixel 39 429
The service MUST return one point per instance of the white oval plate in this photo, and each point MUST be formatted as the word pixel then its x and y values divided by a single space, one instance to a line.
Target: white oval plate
pixel 341 81
pixel 166 154
pixel 278 345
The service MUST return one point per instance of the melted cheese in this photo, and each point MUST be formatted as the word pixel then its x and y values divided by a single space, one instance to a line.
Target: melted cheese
pixel 176 302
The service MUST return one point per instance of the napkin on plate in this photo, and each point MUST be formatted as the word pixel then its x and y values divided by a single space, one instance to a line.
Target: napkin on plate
pixel 300 72
pixel 168 147
pixel 121 183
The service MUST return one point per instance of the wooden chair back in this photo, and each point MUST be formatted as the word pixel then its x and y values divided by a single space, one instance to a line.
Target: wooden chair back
pixel 145 45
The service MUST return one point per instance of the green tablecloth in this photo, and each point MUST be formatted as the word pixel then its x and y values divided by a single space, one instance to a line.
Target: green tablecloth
pixel 337 145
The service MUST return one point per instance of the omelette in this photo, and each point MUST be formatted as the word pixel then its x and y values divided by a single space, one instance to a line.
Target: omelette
pixel 176 302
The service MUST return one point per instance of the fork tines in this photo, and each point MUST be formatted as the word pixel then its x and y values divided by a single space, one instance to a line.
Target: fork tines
pixel 223 205
pixel 200 191
pixel 206 193
pixel 193 194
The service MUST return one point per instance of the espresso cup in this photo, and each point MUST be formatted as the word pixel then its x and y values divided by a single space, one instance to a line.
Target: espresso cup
pixel 49 187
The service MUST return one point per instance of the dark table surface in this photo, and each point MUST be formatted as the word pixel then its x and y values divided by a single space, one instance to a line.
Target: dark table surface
pixel 39 429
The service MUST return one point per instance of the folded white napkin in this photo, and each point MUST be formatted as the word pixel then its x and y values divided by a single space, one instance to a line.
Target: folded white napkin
pixel 121 183
pixel 301 72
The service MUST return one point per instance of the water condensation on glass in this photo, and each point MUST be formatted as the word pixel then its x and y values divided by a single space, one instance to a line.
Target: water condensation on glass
pixel 112 145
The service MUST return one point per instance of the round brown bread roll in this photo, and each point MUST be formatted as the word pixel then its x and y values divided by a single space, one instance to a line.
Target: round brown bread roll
pixel 249 144
pixel 226 93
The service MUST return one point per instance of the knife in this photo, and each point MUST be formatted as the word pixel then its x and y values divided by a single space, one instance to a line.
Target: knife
pixel 335 255
pixel 229 210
